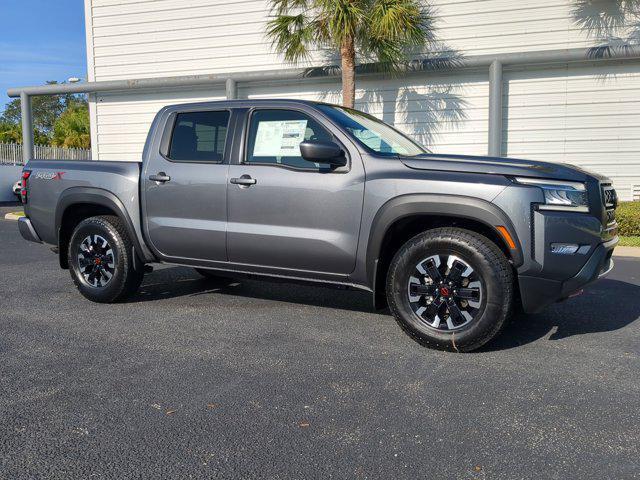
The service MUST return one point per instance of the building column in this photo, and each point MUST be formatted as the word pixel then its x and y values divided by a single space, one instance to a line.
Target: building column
pixel 27 127
pixel 231 88
pixel 495 109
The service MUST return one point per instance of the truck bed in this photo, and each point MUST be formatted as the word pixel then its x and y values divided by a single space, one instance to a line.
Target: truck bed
pixel 51 180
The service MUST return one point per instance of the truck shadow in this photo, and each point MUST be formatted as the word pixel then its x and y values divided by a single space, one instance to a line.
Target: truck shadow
pixel 181 281
pixel 606 306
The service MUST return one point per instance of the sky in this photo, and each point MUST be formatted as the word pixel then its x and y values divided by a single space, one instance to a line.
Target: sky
pixel 40 40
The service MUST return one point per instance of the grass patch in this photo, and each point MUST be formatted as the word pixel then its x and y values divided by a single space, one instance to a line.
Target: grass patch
pixel 629 241
pixel 628 217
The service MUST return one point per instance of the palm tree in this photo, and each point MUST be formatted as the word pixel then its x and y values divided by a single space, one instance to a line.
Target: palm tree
pixel 380 31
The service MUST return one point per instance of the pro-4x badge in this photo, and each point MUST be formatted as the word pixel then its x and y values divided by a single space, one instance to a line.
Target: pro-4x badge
pixel 49 175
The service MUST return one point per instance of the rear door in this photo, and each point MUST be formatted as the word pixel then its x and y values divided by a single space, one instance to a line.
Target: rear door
pixel 185 187
pixel 286 212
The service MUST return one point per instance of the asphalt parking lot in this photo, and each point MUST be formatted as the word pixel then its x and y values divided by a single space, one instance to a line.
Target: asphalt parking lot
pixel 194 378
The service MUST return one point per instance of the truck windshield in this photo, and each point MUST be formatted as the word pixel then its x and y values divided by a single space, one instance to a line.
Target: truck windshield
pixel 374 134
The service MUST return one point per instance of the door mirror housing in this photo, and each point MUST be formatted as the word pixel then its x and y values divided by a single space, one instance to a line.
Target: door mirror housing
pixel 328 153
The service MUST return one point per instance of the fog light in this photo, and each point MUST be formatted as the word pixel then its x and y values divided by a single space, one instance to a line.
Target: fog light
pixel 564 248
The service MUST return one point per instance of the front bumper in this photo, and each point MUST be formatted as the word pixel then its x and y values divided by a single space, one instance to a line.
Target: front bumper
pixel 27 231
pixel 537 292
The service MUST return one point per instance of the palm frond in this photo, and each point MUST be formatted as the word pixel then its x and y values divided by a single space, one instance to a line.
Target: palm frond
pixel 395 27
pixel 384 55
pixel 404 20
pixel 322 31
pixel 291 35
pixel 285 7
pixel 341 18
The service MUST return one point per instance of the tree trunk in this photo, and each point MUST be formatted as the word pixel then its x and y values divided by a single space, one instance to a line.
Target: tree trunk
pixel 348 58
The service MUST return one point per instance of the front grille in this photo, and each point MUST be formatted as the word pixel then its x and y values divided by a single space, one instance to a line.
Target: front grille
pixel 609 202
pixel 611 216
pixel 609 197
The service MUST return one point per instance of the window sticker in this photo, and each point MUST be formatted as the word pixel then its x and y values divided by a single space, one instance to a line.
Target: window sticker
pixel 279 138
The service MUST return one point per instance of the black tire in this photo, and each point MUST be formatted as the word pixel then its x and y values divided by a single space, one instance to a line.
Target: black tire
pixel 493 289
pixel 124 280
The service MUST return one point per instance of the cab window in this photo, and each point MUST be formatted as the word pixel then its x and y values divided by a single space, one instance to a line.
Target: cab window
pixel 199 136
pixel 275 137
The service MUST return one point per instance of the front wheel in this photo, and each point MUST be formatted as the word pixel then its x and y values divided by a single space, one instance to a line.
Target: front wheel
pixel 450 288
pixel 101 260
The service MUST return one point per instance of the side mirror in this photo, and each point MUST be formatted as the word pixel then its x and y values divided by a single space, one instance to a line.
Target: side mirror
pixel 323 152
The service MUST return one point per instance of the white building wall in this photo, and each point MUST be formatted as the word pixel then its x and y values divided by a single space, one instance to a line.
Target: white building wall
pixel 122 120
pixel 587 116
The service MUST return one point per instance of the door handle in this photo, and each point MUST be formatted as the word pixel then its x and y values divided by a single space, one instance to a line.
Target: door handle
pixel 244 181
pixel 160 177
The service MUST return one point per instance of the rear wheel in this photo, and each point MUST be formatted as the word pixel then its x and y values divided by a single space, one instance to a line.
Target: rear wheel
pixel 450 288
pixel 101 260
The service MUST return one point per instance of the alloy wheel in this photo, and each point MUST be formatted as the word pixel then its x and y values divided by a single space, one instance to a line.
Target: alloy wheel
pixel 445 292
pixel 96 261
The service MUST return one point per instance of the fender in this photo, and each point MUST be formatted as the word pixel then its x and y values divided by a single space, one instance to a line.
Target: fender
pixel 97 196
pixel 437 205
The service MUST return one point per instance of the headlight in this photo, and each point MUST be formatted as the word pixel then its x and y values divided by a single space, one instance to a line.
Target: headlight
pixel 559 195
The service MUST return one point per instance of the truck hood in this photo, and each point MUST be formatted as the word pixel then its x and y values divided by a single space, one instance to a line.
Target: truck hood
pixel 498 166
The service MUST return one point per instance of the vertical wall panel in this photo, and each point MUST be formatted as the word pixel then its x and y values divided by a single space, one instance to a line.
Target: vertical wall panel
pixel 123 119
pixel 589 117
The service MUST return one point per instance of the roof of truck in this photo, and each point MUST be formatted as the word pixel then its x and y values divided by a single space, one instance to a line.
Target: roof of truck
pixel 250 102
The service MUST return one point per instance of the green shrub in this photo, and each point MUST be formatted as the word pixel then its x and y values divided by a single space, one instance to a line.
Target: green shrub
pixel 628 217
pixel 629 242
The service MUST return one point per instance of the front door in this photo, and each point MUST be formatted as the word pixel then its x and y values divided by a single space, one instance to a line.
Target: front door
pixel 286 212
pixel 185 189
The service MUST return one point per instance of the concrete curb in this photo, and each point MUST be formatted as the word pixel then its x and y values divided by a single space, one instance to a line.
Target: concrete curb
pixel 13 216
pixel 627 252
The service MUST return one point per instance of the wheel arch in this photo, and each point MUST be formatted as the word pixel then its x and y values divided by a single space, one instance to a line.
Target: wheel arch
pixel 78 203
pixel 403 217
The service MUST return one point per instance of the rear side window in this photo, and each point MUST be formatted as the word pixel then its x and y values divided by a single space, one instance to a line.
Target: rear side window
pixel 275 136
pixel 199 136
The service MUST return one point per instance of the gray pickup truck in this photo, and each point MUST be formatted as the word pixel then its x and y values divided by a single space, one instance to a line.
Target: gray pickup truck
pixel 307 191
